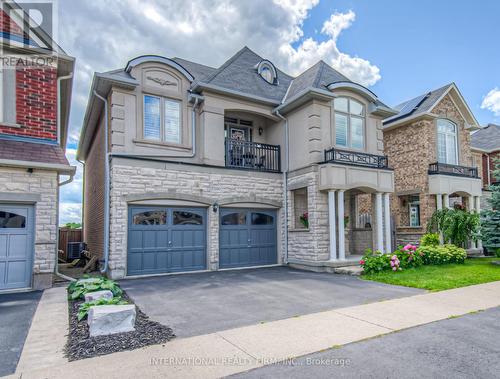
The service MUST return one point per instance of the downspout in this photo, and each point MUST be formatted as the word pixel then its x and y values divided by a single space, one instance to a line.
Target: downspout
pixel 106 183
pixel 488 169
pixel 59 80
pixel 285 183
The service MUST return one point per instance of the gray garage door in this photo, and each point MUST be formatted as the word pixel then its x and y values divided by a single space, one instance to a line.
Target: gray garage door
pixel 247 238
pixel 16 246
pixel 162 240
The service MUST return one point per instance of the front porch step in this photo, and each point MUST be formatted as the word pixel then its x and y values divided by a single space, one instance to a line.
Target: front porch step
pixel 475 253
pixel 349 270
pixel 324 266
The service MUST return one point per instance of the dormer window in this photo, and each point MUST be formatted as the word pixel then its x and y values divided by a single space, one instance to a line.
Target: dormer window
pixel 267 71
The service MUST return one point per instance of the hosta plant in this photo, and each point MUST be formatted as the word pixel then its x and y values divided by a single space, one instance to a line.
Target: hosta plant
pixel 78 289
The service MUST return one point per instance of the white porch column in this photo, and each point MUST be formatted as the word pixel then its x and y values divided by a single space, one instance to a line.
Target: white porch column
pixel 479 243
pixel 378 215
pixel 446 201
pixel 439 206
pixel 387 226
pixel 471 207
pixel 340 212
pixel 332 225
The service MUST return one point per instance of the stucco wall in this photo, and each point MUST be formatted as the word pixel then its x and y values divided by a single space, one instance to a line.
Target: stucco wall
pixel 44 183
pixel 137 177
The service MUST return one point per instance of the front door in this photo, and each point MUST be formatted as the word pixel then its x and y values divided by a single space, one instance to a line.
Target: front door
pixel 16 246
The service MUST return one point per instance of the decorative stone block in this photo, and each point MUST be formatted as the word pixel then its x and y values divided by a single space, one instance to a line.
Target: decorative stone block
pixel 111 319
pixel 91 296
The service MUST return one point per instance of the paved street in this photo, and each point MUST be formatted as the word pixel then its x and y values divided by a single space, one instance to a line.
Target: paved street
pixel 463 347
pixel 16 313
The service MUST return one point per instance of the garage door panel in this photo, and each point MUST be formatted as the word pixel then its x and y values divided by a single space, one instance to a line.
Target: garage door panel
pixel 16 272
pixel 18 244
pixel 249 244
pixel 3 246
pixel 174 241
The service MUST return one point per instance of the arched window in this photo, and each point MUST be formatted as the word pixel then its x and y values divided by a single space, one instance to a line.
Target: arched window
pixel 349 123
pixel 267 71
pixel 447 142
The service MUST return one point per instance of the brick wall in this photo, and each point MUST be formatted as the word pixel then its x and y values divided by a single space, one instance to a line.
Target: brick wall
pixel 36 103
pixel 93 218
pixel 492 157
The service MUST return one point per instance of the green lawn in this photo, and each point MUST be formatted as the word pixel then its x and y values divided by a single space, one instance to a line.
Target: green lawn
pixel 438 278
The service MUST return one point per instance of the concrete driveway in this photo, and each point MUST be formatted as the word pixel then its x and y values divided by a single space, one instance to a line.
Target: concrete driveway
pixel 194 304
pixel 16 313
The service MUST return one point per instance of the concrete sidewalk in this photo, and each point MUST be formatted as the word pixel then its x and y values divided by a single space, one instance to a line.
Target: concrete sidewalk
pixel 237 350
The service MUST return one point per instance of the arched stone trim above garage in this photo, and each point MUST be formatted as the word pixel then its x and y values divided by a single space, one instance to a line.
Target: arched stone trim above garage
pixel 168 198
pixel 249 202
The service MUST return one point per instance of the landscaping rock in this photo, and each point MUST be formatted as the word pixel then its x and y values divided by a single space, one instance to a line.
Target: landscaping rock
pixel 88 280
pixel 105 294
pixel 111 319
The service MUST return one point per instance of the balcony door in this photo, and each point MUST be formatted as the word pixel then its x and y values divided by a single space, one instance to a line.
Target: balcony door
pixel 447 142
pixel 238 129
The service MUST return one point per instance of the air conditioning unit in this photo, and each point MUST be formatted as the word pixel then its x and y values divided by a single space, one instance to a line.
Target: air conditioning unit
pixel 75 249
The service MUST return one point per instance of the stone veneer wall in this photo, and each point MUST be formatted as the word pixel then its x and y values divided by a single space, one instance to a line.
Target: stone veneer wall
pixel 44 183
pixel 311 244
pixel 210 183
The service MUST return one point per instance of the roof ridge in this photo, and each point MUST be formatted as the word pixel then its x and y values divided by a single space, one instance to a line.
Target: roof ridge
pixel 227 63
pixel 199 64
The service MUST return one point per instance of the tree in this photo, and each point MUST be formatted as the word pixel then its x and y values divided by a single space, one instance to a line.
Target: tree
pixel 490 218
pixel 73 225
pixel 457 225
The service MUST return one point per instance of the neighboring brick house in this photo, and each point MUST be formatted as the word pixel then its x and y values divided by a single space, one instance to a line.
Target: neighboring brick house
pixel 428 146
pixel 485 145
pixel 32 160
pixel 189 168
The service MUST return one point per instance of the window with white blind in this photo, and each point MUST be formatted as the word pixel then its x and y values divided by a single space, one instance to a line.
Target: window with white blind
pixel 162 119
pixel 447 142
pixel 349 123
pixel 7 95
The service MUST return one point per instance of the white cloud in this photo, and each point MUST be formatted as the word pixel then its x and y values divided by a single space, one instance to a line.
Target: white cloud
pixel 104 35
pixel 492 101
pixel 70 212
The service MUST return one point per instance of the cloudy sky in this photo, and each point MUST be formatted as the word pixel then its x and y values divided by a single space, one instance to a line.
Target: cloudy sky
pixel 399 48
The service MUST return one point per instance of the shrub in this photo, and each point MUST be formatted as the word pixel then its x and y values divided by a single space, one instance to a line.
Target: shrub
pixel 375 261
pixel 77 289
pixel 458 226
pixel 408 256
pixel 84 308
pixel 430 239
pixel 437 255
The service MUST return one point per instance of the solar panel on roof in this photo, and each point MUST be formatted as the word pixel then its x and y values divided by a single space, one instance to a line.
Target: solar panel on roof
pixel 411 105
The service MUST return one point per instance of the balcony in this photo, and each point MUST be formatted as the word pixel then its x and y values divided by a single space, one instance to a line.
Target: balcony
pixel 355 158
pixel 453 170
pixel 252 156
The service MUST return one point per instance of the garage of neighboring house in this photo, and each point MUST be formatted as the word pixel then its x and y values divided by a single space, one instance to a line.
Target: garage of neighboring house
pixel 166 239
pixel 16 246
pixel 248 237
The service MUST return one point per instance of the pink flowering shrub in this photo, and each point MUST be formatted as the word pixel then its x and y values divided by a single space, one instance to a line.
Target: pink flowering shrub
pixel 402 258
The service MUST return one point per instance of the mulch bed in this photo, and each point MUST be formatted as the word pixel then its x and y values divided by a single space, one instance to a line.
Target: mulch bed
pixel 80 345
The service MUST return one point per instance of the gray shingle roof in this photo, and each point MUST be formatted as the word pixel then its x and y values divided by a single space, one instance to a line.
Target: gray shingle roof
pixel 424 106
pixel 199 71
pixel 487 138
pixel 317 76
pixel 32 152
pixel 239 73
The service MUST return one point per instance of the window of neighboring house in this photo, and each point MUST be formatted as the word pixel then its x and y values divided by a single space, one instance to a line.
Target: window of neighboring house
pixel 7 95
pixel 300 211
pixel 162 119
pixel 447 142
pixel 414 210
pixel 349 123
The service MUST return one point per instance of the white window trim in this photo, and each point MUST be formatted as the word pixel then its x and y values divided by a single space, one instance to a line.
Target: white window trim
pixel 349 115
pixel 445 141
pixel 162 119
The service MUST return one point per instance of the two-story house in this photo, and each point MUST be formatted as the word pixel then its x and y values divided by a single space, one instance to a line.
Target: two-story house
pixel 429 146
pixel 190 167
pixel 485 144
pixel 35 93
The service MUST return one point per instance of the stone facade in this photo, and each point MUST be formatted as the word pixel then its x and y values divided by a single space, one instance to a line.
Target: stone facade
pixel 226 187
pixel 43 183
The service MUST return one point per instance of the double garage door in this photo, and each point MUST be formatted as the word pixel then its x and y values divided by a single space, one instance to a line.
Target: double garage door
pixel 169 239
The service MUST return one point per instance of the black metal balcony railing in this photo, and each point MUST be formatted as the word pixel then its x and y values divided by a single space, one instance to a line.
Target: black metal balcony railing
pixel 454 170
pixel 354 158
pixel 252 156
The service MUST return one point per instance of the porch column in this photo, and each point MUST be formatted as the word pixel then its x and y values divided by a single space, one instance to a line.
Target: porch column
pixel 378 216
pixel 471 208
pixel 446 201
pixel 387 226
pixel 340 212
pixel 439 206
pixel 332 225
pixel 479 243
